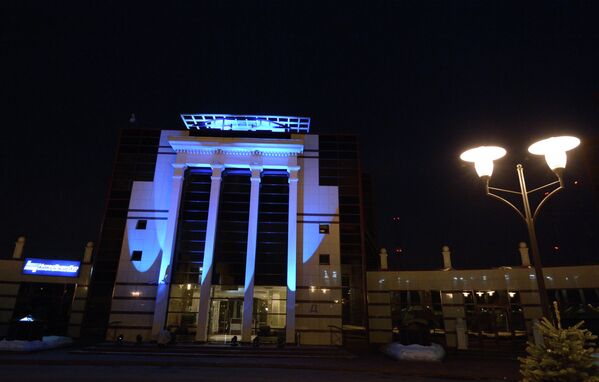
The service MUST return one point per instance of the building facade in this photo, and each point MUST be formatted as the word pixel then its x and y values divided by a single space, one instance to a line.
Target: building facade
pixel 236 226
pixel 50 291
pixel 478 307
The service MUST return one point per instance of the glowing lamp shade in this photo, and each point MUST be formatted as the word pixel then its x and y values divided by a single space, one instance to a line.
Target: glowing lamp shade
pixel 483 158
pixel 554 149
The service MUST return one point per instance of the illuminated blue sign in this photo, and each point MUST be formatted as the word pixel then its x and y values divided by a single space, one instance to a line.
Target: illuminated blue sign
pixel 47 267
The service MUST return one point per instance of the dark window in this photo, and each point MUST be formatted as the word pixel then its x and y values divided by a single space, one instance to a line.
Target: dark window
pixel 141 224
pixel 136 256
pixel 323 228
pixel 324 260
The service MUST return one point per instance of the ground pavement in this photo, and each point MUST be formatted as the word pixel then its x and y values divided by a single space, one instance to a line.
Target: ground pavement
pixel 76 364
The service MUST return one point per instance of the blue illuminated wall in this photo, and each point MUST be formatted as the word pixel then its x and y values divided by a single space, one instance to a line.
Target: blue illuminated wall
pixel 317 286
pixel 136 281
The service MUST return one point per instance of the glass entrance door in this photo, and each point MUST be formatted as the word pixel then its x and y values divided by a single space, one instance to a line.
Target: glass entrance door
pixel 226 312
pixel 226 315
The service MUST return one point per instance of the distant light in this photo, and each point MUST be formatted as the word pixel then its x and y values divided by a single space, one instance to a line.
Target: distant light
pixel 554 149
pixel 136 293
pixel 512 294
pixel 480 294
pixel 575 182
pixel 491 292
pixel 398 250
pixel 466 294
pixel 483 158
pixel 556 247
pixel 27 318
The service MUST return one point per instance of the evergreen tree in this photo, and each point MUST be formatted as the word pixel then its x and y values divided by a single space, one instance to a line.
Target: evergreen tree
pixel 566 355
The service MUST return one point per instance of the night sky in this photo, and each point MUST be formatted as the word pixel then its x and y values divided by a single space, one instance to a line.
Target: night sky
pixel 418 81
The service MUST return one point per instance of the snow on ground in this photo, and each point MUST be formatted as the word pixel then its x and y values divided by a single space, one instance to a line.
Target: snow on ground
pixel 47 342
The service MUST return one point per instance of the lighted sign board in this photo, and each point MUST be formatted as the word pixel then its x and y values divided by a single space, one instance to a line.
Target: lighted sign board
pixel 48 267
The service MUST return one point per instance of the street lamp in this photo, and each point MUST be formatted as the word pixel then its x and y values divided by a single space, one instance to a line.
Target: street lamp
pixel 554 149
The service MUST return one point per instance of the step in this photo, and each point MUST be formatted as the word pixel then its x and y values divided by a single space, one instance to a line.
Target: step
pixel 217 350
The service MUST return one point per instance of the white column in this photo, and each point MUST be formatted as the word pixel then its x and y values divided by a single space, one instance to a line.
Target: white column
pixel 162 291
pixel 250 260
pixel 291 255
pixel 207 264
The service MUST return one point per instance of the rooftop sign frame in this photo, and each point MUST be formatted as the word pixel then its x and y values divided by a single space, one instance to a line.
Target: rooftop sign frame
pixel 273 123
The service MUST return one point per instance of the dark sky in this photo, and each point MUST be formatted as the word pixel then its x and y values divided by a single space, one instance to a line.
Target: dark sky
pixel 418 81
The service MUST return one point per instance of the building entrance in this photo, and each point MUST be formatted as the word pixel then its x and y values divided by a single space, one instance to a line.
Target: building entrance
pixel 48 304
pixel 226 313
pixel 225 316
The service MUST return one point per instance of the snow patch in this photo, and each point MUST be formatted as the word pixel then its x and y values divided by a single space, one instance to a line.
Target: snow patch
pixel 47 342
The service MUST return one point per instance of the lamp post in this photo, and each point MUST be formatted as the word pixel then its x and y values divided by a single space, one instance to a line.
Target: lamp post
pixel 554 149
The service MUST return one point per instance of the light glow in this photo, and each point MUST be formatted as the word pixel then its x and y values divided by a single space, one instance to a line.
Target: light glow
pixel 483 158
pixel 554 149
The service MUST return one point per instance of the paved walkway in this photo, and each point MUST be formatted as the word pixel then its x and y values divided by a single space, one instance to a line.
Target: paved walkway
pixel 167 374
pixel 455 367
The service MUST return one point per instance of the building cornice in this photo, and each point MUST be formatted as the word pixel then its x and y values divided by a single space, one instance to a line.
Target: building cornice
pixel 236 146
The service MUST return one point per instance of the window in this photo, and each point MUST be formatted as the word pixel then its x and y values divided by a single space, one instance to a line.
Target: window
pixel 136 256
pixel 323 228
pixel 141 224
pixel 324 259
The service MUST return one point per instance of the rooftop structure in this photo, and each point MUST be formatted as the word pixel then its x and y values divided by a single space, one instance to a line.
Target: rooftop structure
pixel 274 123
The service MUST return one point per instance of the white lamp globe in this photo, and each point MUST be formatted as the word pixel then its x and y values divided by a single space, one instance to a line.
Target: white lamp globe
pixel 483 158
pixel 554 149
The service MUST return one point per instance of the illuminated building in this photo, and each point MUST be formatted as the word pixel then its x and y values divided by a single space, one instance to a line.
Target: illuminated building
pixel 49 292
pixel 478 308
pixel 253 212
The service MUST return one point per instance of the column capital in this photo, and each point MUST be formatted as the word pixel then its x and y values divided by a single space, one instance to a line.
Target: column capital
pixel 293 173
pixel 256 173
pixel 179 170
pixel 217 170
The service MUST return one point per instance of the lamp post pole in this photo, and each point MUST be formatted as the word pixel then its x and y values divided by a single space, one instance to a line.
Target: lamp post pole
pixel 529 218
pixel 554 149
pixel 532 234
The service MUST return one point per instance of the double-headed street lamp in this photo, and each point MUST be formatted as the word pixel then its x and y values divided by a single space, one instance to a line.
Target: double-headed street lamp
pixel 554 149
